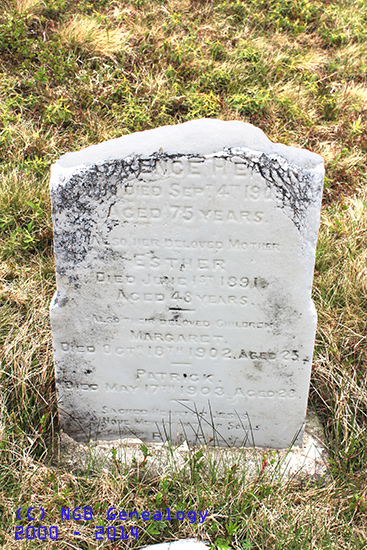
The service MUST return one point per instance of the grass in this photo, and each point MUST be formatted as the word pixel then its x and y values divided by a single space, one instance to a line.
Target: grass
pixel 75 73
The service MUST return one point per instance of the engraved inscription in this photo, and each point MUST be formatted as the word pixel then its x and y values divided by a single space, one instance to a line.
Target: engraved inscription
pixel 184 286
pixel 200 352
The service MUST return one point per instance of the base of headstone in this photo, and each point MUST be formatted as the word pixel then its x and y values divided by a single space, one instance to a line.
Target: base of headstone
pixel 309 461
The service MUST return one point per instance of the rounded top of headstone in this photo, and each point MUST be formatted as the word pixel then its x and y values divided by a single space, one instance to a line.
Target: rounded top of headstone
pixel 201 137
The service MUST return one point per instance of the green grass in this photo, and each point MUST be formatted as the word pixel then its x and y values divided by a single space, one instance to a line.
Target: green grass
pixel 75 73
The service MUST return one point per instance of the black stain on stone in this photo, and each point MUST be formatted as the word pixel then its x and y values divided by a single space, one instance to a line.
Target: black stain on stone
pixel 261 282
pixel 76 198
pixel 60 301
pixel 258 365
pixel 279 310
pixel 175 313
pixel 294 186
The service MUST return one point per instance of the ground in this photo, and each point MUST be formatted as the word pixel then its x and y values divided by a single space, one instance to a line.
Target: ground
pixel 75 73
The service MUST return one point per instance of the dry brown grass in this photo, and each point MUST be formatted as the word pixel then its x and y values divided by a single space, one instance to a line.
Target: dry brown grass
pixel 30 7
pixel 340 291
pixel 93 37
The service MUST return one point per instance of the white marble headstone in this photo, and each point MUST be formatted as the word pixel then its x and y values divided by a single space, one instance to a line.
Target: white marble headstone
pixel 184 264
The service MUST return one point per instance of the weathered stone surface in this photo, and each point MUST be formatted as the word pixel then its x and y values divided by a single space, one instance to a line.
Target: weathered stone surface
pixel 184 262
pixel 310 461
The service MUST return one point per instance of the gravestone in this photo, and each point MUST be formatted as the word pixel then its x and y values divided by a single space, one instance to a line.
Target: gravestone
pixel 184 264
